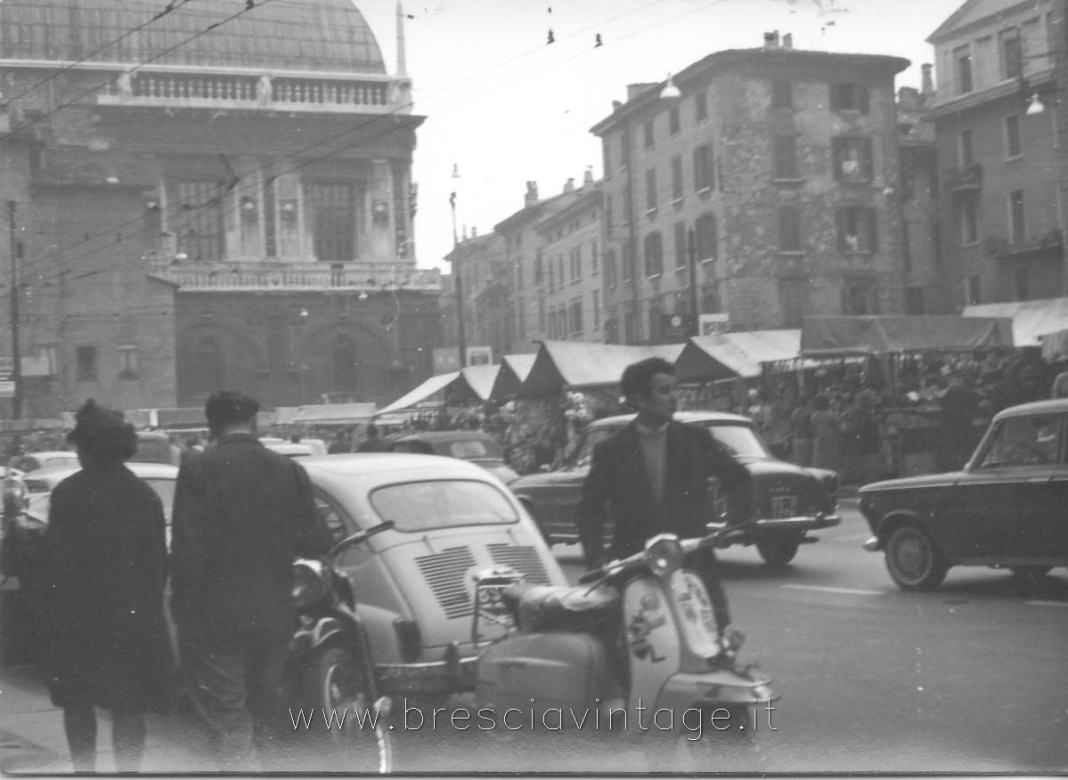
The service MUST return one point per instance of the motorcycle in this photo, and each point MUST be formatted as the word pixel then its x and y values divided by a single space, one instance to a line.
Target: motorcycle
pixel 637 636
pixel 329 667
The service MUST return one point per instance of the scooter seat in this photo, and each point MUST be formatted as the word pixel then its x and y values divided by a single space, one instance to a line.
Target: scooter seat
pixel 554 608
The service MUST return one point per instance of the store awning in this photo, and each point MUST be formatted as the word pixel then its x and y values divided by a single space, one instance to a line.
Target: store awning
pixel 1030 319
pixel 734 355
pixel 421 393
pixel 334 414
pixel 840 336
pixel 514 369
pixel 579 365
pixel 478 381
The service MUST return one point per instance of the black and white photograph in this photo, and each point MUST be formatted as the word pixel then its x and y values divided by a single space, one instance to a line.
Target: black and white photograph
pixel 484 387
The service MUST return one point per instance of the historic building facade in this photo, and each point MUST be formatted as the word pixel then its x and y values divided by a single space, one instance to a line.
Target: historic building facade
pixel 759 184
pixel 1002 166
pixel 211 197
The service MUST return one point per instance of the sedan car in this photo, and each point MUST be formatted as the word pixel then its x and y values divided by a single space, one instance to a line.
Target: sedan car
pixel 788 501
pixel 36 461
pixel 1005 508
pixel 413 583
pixel 474 446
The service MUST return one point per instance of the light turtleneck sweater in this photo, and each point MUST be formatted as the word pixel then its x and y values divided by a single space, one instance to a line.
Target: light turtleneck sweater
pixel 652 442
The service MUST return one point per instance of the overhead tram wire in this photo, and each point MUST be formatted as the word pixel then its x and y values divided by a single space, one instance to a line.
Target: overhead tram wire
pixel 171 8
pixel 376 118
pixel 138 66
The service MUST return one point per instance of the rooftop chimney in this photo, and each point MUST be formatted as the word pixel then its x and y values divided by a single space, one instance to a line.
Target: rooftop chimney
pixel 532 194
pixel 569 186
pixel 788 41
pixel 587 177
pixel 927 83
pixel 771 40
pixel 617 104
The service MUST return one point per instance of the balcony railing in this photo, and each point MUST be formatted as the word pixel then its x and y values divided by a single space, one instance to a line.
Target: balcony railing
pixel 281 93
pixel 1002 247
pixel 967 178
pixel 235 277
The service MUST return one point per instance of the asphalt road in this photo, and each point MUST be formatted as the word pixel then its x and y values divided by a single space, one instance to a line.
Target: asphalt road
pixel 970 678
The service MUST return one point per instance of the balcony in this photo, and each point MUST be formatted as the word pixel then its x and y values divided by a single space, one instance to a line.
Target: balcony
pixel 326 93
pixel 272 276
pixel 1003 248
pixel 967 178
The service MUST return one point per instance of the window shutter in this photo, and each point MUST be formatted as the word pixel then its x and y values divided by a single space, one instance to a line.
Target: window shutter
pixel 836 103
pixel 837 145
pixel 863 98
pixel 840 221
pixel 873 222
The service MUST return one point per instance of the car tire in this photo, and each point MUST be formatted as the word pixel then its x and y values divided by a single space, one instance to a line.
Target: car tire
pixel 337 680
pixel 913 559
pixel 778 551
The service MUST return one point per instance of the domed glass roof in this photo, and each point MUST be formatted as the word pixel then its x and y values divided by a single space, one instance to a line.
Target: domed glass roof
pixel 313 35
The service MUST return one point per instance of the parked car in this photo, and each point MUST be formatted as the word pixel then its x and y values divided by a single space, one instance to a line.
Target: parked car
pixel 156 447
pixel 161 477
pixel 474 446
pixel 788 501
pixel 289 448
pixel 1008 506
pixel 413 583
pixel 35 461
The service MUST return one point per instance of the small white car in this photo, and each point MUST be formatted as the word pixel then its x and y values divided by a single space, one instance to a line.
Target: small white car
pixel 414 583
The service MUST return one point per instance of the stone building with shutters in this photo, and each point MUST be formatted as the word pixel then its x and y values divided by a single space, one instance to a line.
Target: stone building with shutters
pixel 768 178
pixel 214 196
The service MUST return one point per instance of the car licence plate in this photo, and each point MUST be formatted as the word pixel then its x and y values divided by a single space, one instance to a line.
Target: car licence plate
pixel 783 506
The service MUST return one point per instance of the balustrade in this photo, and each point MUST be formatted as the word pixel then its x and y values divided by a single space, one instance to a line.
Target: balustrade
pixel 254 276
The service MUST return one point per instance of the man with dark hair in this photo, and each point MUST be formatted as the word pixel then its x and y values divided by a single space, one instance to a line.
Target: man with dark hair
pixel 242 514
pixel 373 443
pixel 652 477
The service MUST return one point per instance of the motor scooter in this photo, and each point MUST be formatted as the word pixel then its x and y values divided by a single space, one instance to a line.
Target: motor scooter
pixel 329 669
pixel 634 647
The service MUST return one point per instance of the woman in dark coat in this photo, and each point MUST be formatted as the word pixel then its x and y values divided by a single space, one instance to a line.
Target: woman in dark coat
pixel 105 639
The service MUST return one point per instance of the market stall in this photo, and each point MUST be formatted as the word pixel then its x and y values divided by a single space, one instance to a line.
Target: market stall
pixel 889 375
pixel 514 369
pixel 579 365
pixel 1031 320
pixel 715 371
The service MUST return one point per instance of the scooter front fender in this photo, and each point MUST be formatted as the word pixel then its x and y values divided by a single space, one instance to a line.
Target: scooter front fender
pixel 311 636
pixel 717 688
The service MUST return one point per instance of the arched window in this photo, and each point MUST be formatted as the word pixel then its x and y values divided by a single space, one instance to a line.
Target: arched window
pixel 208 366
pixel 345 374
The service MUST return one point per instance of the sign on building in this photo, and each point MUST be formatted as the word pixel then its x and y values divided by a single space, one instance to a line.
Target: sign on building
pixel 714 323
pixel 675 328
pixel 447 359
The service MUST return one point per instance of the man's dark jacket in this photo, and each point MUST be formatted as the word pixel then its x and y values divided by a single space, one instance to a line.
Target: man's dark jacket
pixel 617 489
pixel 242 514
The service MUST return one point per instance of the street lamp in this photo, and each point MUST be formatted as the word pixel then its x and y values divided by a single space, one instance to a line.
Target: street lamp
pixel 16 353
pixel 461 341
pixel 691 256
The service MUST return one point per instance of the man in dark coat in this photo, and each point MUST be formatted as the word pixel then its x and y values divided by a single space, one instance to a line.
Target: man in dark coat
pixel 102 572
pixel 242 514
pixel 652 477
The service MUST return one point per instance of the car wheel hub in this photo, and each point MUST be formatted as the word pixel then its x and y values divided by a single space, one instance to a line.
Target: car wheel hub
pixel 911 556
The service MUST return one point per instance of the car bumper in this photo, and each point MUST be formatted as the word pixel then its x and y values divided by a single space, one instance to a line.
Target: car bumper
pixel 426 679
pixel 778 525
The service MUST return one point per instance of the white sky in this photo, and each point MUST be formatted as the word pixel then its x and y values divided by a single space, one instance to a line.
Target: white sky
pixel 506 107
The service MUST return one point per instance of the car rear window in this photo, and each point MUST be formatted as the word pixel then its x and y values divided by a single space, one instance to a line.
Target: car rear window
pixel 424 506
pixel 38 486
pixel 740 441
pixel 469 448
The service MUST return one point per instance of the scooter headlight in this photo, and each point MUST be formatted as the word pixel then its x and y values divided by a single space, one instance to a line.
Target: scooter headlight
pixel 310 583
pixel 664 554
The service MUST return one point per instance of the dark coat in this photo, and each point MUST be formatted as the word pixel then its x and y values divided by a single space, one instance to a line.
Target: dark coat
pixel 618 490
pixel 103 571
pixel 242 514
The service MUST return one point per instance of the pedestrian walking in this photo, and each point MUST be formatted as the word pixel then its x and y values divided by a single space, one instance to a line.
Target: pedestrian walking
pixel 801 434
pixel 242 514
pixel 102 576
pixel 652 477
pixel 373 442
pixel 825 434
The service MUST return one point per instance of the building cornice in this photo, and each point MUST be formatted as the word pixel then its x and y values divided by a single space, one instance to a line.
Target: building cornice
pixel 1037 82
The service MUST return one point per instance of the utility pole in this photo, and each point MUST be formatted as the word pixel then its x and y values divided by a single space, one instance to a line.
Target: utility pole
pixel 691 256
pixel 16 354
pixel 458 275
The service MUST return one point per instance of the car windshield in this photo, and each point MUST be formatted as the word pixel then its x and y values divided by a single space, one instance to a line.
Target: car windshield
pixel 581 456
pixel 424 506
pixel 469 449
pixel 740 441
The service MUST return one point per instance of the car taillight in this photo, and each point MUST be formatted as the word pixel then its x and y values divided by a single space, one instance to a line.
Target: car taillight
pixel 409 639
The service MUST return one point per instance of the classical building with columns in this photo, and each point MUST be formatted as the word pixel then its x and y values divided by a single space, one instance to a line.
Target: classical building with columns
pixel 218 195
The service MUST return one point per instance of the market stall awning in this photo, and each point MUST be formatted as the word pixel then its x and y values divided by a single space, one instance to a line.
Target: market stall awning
pixel 478 380
pixel 334 414
pixel 514 369
pixel 421 393
pixel 734 355
pixel 839 336
pixel 580 365
pixel 1055 345
pixel 1030 319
